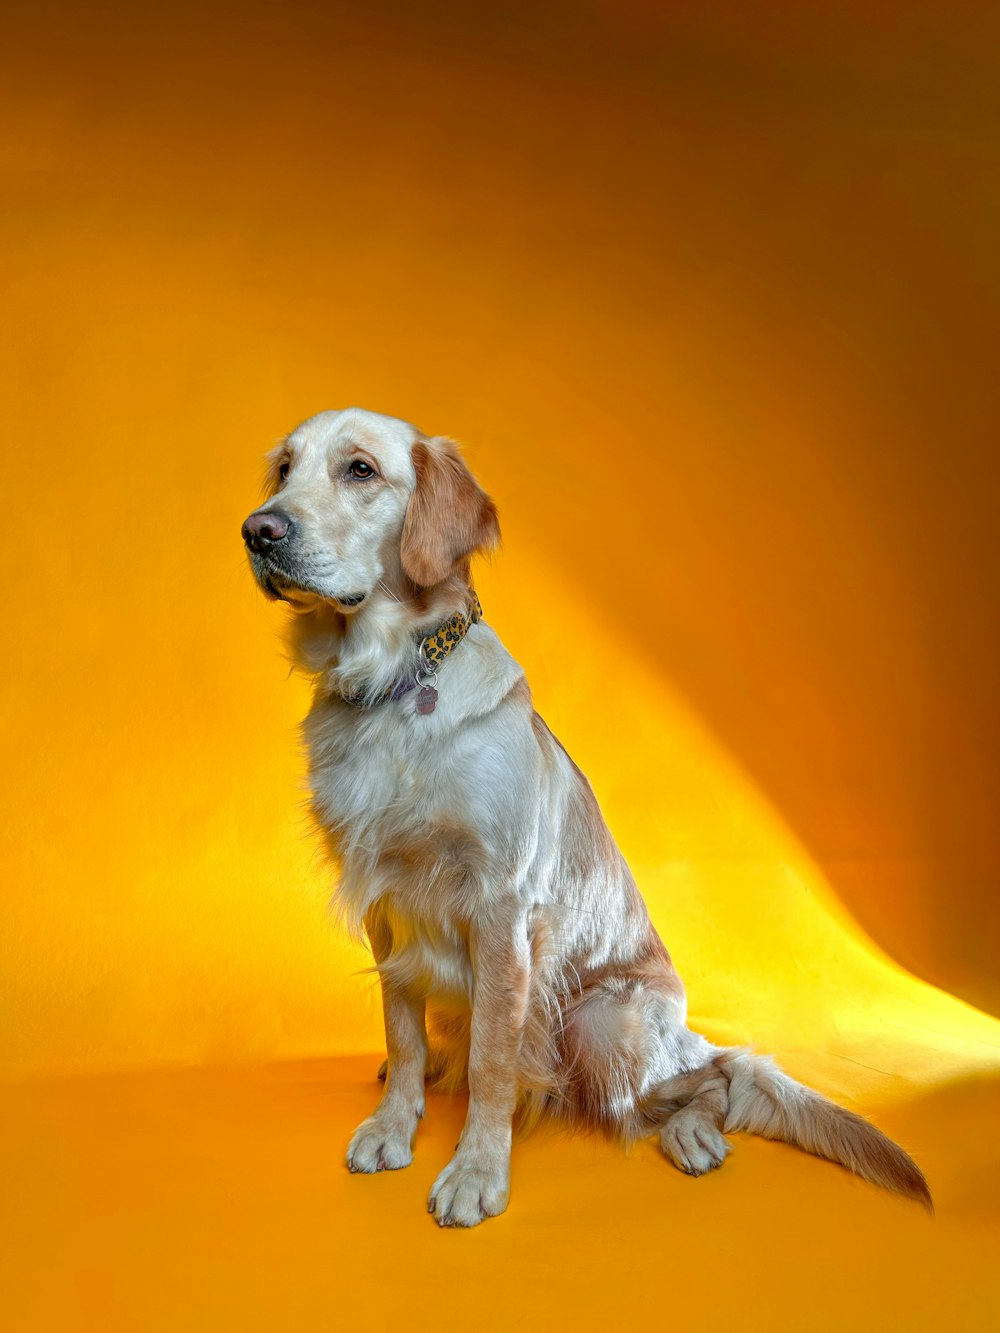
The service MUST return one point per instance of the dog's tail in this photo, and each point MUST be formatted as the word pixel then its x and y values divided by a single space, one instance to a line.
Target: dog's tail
pixel 761 1099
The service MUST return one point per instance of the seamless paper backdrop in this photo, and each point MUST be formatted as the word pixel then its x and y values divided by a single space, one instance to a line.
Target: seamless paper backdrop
pixel 709 294
pixel 712 306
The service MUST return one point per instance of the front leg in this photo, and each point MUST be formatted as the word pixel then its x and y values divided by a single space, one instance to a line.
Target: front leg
pixel 384 1142
pixel 476 1182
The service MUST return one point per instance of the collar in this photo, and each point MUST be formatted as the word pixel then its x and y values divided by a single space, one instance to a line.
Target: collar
pixel 433 650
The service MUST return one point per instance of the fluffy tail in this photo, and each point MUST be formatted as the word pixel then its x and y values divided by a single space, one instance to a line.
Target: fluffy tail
pixel 760 1099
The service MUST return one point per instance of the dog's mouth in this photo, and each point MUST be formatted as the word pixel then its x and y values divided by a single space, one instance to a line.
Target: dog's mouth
pixel 283 587
pixel 282 591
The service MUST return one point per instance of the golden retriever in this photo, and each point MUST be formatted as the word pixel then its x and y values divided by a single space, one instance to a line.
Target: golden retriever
pixel 472 850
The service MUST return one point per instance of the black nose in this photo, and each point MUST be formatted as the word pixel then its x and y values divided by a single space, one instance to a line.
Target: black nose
pixel 264 528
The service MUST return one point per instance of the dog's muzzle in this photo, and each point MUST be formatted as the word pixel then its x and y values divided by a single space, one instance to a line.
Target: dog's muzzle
pixel 266 534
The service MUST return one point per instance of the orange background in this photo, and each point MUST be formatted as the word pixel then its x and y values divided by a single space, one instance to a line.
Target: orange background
pixel 710 296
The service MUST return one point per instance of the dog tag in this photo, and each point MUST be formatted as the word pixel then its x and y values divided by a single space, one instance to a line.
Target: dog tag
pixel 427 699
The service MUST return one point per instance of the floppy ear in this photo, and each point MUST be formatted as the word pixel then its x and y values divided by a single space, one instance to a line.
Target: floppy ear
pixel 449 516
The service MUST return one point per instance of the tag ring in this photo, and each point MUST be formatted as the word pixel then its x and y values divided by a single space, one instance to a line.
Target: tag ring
pixel 426 672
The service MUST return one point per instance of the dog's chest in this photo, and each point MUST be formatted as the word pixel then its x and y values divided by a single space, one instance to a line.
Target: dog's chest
pixel 377 774
pixel 399 815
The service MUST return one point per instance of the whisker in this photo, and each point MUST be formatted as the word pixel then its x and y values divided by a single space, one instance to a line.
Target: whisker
pixel 388 592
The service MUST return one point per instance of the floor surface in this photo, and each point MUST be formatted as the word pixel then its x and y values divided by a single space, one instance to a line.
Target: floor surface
pixel 219 1199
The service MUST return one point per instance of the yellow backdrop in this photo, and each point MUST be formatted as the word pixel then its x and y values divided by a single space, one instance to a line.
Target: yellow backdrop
pixel 710 297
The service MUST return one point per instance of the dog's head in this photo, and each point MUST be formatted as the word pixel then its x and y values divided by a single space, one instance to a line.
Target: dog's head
pixel 358 501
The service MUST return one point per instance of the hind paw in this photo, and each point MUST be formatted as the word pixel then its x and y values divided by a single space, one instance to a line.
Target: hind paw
pixel 692 1142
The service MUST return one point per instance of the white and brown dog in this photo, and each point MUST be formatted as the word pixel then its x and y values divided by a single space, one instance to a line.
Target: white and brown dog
pixel 472 849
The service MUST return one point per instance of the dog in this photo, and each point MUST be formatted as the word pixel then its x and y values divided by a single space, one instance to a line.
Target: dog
pixel 501 915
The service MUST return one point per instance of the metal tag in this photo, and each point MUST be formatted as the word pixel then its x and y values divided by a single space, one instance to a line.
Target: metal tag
pixel 427 698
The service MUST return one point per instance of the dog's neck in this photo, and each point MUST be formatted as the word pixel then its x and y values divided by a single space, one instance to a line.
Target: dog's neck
pixel 365 654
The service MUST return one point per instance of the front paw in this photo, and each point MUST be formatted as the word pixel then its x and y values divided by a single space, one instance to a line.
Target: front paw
pixel 468 1190
pixel 382 1143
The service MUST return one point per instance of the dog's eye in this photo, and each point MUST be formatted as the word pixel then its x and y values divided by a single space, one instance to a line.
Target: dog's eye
pixel 284 470
pixel 360 469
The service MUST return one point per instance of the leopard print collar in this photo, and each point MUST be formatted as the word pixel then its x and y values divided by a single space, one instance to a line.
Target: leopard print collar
pixel 433 650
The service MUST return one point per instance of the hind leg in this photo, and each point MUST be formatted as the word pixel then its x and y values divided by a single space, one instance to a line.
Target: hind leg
pixel 623 1038
pixel 636 1068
